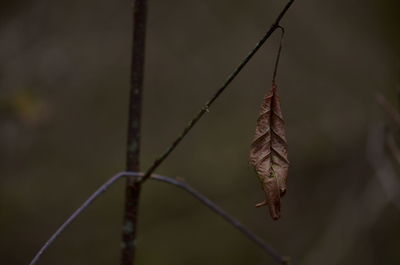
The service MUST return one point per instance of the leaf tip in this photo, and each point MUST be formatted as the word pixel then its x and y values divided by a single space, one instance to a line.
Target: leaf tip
pixel 274 212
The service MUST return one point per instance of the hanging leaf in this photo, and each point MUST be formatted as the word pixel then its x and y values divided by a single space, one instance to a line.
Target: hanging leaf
pixel 268 153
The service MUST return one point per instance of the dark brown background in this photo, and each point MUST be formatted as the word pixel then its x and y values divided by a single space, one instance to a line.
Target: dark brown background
pixel 64 83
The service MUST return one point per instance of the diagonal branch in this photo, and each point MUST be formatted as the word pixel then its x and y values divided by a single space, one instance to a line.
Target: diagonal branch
pixel 227 217
pixel 80 210
pixel 208 104
pixel 203 199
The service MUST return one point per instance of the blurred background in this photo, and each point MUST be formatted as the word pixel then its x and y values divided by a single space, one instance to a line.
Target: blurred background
pixel 64 83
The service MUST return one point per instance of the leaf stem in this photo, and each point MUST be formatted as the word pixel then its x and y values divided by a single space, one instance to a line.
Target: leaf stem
pixel 278 56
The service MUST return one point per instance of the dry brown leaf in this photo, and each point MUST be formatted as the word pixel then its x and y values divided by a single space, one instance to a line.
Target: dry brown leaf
pixel 268 154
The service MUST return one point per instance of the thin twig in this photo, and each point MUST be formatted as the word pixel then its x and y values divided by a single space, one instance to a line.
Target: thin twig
pixel 132 190
pixel 203 199
pixel 227 217
pixel 207 106
pixel 384 170
pixel 80 210
pixel 392 148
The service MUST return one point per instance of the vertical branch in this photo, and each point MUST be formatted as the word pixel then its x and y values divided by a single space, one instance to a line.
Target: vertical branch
pixel 133 144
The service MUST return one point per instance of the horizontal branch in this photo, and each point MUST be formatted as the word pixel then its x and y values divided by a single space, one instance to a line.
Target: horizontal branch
pixel 183 185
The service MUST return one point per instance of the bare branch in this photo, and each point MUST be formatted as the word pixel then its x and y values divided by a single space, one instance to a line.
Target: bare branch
pixel 80 210
pixel 132 189
pixel 227 217
pixel 203 199
pixel 207 106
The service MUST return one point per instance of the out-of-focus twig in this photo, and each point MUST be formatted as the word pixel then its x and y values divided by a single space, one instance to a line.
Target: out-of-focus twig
pixel 392 113
pixel 355 215
pixel 392 148
pixel 184 186
pixel 383 167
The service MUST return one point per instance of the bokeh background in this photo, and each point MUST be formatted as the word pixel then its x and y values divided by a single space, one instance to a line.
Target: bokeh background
pixel 64 78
